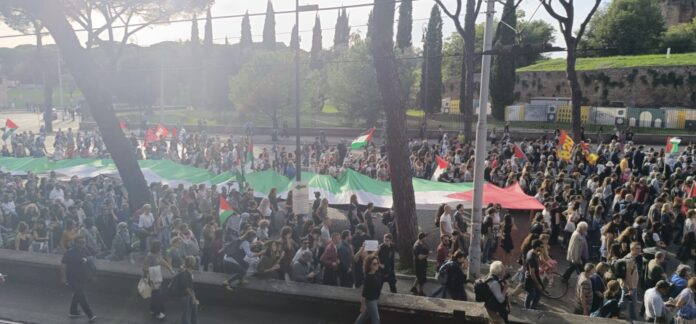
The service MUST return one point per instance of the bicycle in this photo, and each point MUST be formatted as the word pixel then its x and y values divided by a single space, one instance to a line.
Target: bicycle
pixel 554 286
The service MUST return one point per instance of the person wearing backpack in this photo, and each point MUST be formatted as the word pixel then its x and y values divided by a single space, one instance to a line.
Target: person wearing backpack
pixel 452 277
pixel 495 299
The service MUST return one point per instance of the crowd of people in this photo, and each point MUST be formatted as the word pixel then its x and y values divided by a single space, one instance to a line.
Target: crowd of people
pixel 623 220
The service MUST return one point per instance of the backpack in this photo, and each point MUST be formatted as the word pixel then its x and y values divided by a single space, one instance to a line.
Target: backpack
pixel 176 285
pixel 482 290
pixel 442 273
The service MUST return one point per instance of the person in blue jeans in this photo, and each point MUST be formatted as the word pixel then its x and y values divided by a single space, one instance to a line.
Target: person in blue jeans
pixel 532 284
pixel 189 302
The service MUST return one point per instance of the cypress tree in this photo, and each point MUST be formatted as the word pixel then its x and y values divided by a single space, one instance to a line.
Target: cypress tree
pixel 403 36
pixel 503 70
pixel 342 30
pixel 208 33
pixel 369 26
pixel 195 37
pixel 431 75
pixel 294 41
pixel 269 33
pixel 246 40
pixel 315 54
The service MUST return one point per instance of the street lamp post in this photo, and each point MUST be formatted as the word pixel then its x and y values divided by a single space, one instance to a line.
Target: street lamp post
pixel 298 159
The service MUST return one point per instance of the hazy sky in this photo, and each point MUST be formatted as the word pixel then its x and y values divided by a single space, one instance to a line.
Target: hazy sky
pixel 230 27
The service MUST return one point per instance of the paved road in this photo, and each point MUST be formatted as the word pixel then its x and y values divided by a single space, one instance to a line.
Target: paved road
pixel 26 303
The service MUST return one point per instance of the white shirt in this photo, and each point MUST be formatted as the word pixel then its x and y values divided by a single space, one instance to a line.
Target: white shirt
pixel 654 306
pixel 146 220
pixel 446 223
pixel 57 193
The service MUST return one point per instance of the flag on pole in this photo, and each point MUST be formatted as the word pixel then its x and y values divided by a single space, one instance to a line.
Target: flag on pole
pixel 363 139
pixel 9 129
pixel 441 167
pixel 672 145
pixel 225 210
pixel 565 146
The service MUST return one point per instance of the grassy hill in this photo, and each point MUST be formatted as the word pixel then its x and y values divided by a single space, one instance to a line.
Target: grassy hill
pixel 613 62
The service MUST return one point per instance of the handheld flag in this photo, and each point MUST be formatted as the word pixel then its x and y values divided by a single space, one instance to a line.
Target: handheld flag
pixel 161 131
pixel 9 129
pixel 249 162
pixel 225 210
pixel 363 139
pixel 122 124
pixel 672 145
pixel 150 136
pixel 441 167
pixel 565 146
pixel 519 154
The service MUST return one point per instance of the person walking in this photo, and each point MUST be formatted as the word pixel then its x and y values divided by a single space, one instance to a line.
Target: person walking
pixel 577 251
pixel 386 255
pixel 533 285
pixel 152 271
pixel 420 264
pixel 76 268
pixel 189 302
pixel 629 278
pixel 497 307
pixel 583 290
pixel 369 312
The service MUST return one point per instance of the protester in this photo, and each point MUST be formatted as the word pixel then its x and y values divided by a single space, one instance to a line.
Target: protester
pixel 386 253
pixel 369 312
pixel 584 290
pixel 420 264
pixel 656 310
pixel 533 284
pixel 152 271
pixel 189 302
pixel 496 305
pixel 76 269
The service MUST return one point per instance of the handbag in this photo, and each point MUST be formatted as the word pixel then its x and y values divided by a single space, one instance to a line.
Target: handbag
pixel 144 288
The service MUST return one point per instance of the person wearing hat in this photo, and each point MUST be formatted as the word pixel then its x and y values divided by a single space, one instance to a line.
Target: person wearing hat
pixel 656 310
pixel 420 264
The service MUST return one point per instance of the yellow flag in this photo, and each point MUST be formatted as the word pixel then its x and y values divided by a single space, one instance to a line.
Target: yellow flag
pixel 565 146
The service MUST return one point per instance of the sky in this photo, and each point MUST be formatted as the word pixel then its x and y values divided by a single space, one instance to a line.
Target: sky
pixel 230 27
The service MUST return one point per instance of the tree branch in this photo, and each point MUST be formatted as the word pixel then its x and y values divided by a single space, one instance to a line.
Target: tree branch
pixel 452 16
pixel 552 12
pixel 584 24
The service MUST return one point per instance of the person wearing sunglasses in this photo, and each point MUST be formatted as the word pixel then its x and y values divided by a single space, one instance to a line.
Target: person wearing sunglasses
pixel 369 313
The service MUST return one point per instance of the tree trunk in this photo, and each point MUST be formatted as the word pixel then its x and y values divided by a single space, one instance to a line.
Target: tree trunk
pixel 466 102
pixel 48 90
pixel 575 91
pixel 89 78
pixel 394 102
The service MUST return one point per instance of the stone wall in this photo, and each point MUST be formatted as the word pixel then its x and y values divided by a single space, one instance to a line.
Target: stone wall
pixel 677 11
pixel 636 87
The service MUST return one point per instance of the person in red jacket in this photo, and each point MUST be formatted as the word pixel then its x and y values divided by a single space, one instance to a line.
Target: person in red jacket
pixel 329 260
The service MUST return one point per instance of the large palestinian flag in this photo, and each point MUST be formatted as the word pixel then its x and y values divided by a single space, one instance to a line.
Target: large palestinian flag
pixel 338 191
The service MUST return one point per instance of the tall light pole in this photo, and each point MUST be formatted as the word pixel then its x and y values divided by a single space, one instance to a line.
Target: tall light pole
pixel 477 213
pixel 298 159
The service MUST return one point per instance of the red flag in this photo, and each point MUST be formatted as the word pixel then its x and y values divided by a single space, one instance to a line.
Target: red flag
pixel 174 132
pixel 161 131
pixel 10 124
pixel 122 124
pixel 150 136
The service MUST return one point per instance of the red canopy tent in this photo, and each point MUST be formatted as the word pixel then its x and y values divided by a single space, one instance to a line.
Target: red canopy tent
pixel 511 197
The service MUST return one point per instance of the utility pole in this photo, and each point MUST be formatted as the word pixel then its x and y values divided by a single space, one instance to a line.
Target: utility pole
pixel 60 83
pixel 477 213
pixel 298 159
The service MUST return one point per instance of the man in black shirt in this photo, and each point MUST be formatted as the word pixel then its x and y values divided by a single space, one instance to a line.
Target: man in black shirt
pixel 386 260
pixel 533 285
pixel 315 208
pixel 420 264
pixel 75 269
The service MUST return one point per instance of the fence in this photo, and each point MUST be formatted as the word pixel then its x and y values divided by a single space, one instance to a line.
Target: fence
pixel 669 118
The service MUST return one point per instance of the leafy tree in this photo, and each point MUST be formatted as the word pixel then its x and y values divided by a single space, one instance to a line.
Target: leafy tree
pixel 368 35
pixel 90 78
pixel 315 54
pixel 352 84
pixel 626 27
pixel 246 40
pixel 269 33
pixel 566 24
pixel 681 38
pixel 431 80
pixel 342 30
pixel 503 70
pixel 264 83
pixel 405 27
pixel 294 42
pixel 532 33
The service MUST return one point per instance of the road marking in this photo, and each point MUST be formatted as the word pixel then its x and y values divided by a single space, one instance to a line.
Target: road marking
pixel 9 322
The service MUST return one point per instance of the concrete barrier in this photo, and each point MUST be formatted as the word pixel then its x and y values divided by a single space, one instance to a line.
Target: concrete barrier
pixel 332 304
